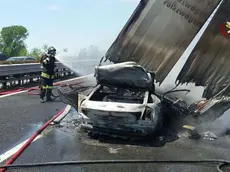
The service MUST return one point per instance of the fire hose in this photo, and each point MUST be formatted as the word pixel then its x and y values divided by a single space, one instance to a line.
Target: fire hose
pixel 8 164
pixel 220 163
pixel 29 141
pixel 30 91
pixel 219 166
pixel 36 90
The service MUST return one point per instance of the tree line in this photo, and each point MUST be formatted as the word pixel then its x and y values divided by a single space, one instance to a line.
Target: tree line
pixel 12 42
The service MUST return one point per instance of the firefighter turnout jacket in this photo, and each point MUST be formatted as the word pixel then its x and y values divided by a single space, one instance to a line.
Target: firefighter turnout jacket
pixel 48 66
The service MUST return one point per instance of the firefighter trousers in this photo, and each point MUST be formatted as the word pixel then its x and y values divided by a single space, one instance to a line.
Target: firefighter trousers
pixel 46 88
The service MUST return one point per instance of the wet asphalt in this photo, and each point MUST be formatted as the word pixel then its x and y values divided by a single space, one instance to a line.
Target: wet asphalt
pixel 21 115
pixel 66 142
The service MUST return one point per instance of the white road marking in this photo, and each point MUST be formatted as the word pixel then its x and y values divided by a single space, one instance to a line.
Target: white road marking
pixel 12 151
pixel 12 94
pixel 82 77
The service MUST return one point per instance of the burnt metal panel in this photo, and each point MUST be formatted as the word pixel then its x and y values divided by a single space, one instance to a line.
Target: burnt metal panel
pixel 208 64
pixel 158 32
pixel 126 75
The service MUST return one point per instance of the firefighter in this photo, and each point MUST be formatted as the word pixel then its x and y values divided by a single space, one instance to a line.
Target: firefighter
pixel 47 74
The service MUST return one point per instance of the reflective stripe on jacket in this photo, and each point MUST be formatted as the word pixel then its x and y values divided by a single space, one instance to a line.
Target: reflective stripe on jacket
pixel 47 87
pixel 45 75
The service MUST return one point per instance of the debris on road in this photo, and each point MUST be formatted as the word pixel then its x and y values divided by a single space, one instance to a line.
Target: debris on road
pixel 209 135
pixel 194 134
pixel 112 150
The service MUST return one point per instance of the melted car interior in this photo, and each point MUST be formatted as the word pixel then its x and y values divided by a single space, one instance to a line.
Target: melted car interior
pixel 121 95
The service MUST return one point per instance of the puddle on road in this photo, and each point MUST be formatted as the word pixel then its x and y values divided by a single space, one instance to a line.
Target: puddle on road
pixel 36 125
pixel 33 127
pixel 27 131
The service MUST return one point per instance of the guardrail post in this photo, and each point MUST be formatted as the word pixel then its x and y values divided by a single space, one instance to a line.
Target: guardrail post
pixel 15 74
pixel 4 84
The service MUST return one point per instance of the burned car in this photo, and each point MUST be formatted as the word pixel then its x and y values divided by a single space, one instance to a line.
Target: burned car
pixel 123 102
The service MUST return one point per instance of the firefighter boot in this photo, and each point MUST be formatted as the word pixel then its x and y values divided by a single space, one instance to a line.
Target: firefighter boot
pixel 48 96
pixel 42 95
pixel 42 100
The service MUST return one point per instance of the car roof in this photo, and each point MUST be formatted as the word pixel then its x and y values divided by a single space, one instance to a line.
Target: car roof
pixel 21 57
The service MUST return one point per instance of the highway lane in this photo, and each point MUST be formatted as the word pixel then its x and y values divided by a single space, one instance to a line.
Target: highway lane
pixel 21 115
pixel 66 142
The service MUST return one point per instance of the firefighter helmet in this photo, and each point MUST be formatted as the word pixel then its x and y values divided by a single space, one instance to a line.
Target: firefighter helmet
pixel 51 50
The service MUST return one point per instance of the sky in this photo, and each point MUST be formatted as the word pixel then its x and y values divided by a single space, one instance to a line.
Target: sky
pixel 72 24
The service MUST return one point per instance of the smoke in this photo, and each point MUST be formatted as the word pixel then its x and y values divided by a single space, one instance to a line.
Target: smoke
pixel 84 63
pixel 217 122
pixel 223 122
pixel 195 93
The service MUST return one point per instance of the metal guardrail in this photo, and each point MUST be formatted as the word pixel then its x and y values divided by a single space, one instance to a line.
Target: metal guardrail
pixel 14 69
pixel 20 72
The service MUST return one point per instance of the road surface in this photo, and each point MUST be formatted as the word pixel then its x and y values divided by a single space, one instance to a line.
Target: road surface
pixel 22 114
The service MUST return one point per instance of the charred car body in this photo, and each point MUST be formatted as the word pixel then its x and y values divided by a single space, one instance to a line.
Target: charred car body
pixel 123 102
